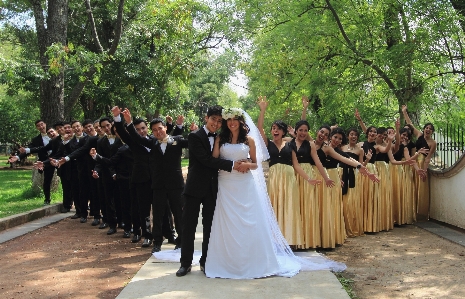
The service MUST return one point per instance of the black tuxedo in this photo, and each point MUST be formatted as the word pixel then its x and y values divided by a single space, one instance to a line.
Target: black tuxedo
pixel 80 177
pixel 122 164
pixel 80 152
pixel 167 181
pixel 201 188
pixel 107 150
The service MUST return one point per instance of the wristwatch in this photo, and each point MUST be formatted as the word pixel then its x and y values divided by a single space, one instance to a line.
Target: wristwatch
pixel 359 166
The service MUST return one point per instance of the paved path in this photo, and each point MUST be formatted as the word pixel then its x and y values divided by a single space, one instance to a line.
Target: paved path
pixel 157 279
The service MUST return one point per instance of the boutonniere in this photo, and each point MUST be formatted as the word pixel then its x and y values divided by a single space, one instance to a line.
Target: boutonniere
pixel 169 140
pixel 174 142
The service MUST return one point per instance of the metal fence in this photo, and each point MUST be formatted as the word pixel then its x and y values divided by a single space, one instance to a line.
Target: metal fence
pixel 450 146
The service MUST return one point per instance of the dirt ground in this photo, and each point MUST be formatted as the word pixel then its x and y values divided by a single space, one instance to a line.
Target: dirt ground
pixel 407 262
pixel 72 259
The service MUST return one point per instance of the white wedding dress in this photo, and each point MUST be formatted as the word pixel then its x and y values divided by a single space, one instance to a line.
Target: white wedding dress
pixel 245 240
pixel 240 242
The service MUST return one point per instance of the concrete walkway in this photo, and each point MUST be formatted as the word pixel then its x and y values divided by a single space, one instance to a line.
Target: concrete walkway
pixel 157 279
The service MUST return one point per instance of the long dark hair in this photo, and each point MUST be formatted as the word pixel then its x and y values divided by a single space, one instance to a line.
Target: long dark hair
pixel 226 135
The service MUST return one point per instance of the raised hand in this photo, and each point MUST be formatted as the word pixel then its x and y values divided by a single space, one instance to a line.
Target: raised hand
pixel 368 155
pixel 127 115
pixel 193 127
pixel 169 119
pixel 391 136
pixel 397 124
pixel 291 131
pixel 262 103
pixel 116 111
pixel 22 150
pixel 305 102
pixel 357 115
pixel 404 108
pixel 92 152
pixel 12 159
pixel 334 127
pixel 180 120
pixel 95 174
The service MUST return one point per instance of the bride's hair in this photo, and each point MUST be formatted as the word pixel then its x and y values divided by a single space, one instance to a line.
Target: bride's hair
pixel 226 135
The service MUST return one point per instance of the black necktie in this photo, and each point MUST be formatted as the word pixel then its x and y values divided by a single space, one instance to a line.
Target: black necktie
pixel 211 134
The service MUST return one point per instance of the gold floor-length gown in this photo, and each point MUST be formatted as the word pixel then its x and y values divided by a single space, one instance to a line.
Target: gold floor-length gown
pixel 409 209
pixel 422 192
pixel 284 196
pixel 385 197
pixel 331 214
pixel 396 173
pixel 353 209
pixel 371 202
pixel 310 207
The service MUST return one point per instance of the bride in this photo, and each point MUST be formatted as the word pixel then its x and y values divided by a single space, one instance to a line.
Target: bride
pixel 245 240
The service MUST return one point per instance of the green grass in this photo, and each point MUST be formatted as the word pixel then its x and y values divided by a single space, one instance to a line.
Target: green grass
pixel 347 284
pixel 16 194
pixel 184 162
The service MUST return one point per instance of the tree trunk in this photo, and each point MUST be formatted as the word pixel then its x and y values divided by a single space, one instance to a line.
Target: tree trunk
pixel 51 89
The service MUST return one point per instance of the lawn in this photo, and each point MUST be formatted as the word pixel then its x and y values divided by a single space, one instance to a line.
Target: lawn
pixel 184 162
pixel 16 195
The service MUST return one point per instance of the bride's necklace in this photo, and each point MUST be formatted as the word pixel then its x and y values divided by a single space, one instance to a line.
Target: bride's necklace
pixel 350 148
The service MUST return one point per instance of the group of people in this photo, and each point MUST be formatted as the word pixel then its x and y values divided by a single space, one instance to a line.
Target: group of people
pixel 318 192
pixel 116 174
pixel 326 189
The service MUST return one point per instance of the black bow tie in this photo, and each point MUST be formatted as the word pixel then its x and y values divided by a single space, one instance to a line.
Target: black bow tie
pixel 211 134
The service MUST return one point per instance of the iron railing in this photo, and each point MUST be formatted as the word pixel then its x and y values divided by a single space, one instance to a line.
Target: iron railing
pixel 450 146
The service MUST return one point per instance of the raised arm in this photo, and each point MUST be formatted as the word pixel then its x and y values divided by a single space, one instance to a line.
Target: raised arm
pixel 305 103
pixel 409 121
pixel 263 104
pixel 397 138
pixel 360 121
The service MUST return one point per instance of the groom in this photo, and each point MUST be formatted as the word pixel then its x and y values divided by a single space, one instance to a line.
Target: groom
pixel 201 187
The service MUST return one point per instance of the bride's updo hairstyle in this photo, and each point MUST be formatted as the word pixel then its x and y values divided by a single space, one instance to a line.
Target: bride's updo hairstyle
pixel 225 134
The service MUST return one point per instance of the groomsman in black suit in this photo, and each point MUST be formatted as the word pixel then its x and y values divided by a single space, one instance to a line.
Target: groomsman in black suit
pixel 141 175
pixel 167 179
pixel 201 188
pixel 81 153
pixel 107 147
pixel 122 164
pixel 41 140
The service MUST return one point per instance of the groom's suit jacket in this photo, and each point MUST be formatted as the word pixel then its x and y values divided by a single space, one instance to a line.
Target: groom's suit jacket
pixel 203 168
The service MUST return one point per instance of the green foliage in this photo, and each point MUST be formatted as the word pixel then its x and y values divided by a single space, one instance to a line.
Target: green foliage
pixel 374 56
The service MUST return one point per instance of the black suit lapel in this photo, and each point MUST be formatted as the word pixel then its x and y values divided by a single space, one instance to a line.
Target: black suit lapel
pixel 205 140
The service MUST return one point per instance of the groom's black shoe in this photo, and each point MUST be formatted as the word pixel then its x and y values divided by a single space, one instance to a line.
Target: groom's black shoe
pixel 183 271
pixel 156 248
pixel 202 268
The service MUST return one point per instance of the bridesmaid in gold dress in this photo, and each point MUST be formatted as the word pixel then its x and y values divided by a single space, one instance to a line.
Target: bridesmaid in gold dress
pixel 331 215
pixel 426 141
pixel 282 183
pixel 351 189
pixel 408 199
pixel 304 157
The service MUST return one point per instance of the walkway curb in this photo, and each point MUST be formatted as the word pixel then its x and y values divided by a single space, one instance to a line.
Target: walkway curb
pixel 18 219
